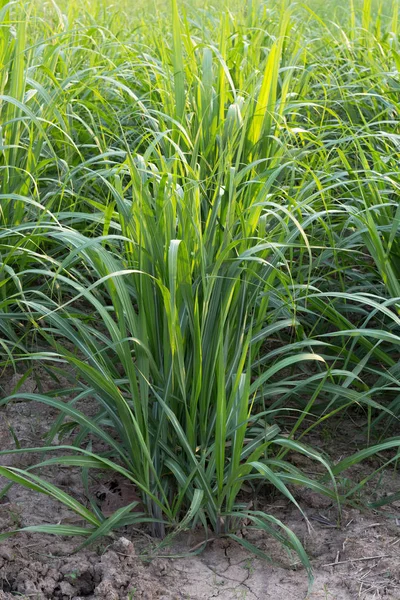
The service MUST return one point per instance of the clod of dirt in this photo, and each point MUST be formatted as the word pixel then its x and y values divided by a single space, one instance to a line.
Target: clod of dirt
pixel 67 590
pixel 86 575
pixel 80 575
pixel 159 566
pixel 105 590
pixel 5 553
pixel 124 546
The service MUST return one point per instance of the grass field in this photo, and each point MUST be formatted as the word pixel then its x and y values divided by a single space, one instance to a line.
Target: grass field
pixel 199 226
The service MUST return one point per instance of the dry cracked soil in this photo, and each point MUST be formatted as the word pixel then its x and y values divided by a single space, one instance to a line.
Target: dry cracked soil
pixel 354 556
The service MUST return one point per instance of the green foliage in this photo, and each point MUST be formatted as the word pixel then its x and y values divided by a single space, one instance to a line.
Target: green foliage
pixel 199 220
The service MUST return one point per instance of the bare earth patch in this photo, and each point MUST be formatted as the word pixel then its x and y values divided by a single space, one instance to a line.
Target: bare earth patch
pixel 356 558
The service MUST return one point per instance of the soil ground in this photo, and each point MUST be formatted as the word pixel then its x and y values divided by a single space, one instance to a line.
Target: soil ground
pixel 356 556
